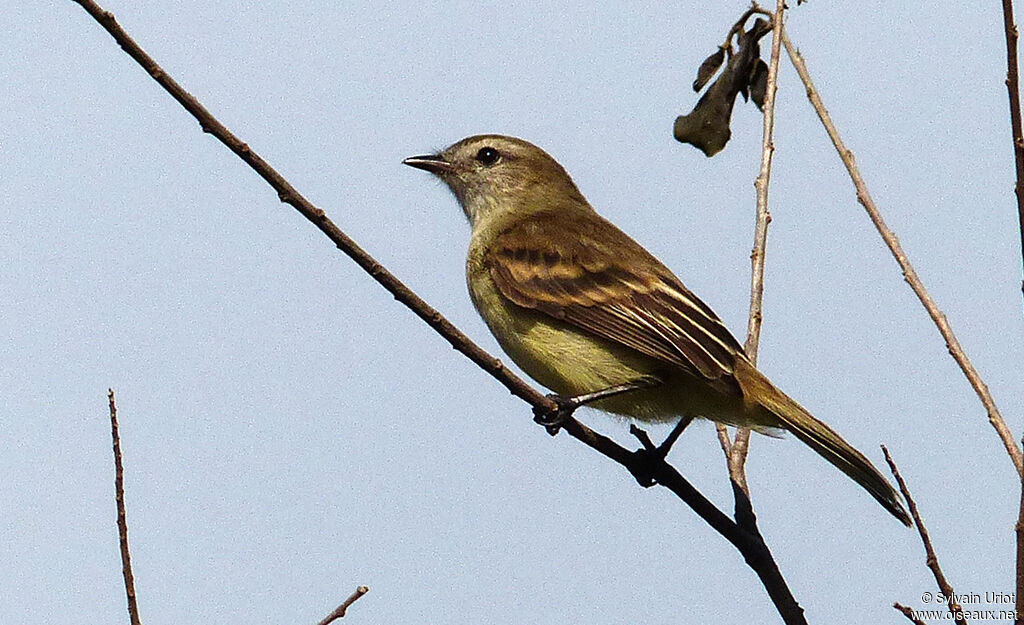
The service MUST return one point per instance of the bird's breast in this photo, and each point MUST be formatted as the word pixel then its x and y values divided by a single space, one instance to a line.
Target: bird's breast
pixel 566 359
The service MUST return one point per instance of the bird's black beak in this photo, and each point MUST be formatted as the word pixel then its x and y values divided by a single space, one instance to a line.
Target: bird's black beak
pixel 434 163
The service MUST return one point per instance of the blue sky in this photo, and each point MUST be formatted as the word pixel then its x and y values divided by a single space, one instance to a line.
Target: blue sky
pixel 290 432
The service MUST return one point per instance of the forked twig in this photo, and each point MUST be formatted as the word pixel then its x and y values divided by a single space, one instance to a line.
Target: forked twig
pixel 1013 91
pixel 952 344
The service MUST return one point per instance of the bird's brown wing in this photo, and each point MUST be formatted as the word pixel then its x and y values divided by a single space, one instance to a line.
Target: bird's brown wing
pixel 593 276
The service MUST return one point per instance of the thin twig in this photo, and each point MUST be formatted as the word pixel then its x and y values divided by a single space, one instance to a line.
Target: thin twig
pixel 339 611
pixel 909 613
pixel 737 27
pixel 1013 88
pixel 122 518
pixel 1019 534
pixel 750 544
pixel 952 344
pixel 931 560
pixel 764 217
pixel 737 452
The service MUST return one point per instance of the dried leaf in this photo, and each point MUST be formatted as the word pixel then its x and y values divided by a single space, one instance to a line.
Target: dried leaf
pixel 706 127
pixel 759 83
pixel 708 68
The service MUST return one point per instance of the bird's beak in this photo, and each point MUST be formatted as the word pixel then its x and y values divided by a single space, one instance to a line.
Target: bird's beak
pixel 434 163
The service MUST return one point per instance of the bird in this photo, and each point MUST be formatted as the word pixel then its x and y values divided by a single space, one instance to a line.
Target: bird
pixel 585 310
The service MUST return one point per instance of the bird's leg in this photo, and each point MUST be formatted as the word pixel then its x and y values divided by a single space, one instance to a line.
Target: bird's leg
pixel 553 419
pixel 649 455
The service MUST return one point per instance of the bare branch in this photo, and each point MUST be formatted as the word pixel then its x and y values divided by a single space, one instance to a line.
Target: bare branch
pixel 339 611
pixel 1013 88
pixel 909 613
pixel 757 254
pixel 736 453
pixel 724 440
pixel 742 533
pixel 737 459
pixel 952 344
pixel 750 543
pixel 932 560
pixel 122 518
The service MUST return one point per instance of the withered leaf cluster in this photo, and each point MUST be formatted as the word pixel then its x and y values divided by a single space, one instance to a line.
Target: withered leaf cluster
pixel 745 73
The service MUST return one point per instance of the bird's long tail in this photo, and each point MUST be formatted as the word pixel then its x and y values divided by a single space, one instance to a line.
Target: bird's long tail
pixel 819 437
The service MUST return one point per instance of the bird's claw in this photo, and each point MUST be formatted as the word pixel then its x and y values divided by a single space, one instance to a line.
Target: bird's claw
pixel 552 420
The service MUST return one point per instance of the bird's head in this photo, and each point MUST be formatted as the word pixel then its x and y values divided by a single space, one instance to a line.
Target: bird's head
pixel 492 174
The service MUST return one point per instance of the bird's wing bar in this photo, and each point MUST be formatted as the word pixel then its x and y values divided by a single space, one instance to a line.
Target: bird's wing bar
pixel 601 280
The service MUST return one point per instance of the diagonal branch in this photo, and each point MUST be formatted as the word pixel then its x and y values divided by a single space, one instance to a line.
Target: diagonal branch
pixel 746 539
pixel 952 344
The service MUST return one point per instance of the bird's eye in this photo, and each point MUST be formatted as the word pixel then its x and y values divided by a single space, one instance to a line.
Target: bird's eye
pixel 487 156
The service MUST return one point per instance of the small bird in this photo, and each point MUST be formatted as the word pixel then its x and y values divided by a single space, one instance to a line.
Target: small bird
pixel 583 308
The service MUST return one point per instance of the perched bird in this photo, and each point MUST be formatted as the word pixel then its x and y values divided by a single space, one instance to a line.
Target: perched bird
pixel 582 307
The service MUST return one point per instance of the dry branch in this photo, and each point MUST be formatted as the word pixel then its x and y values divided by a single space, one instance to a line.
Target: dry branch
pixel 1019 535
pixel 736 451
pixel 864 197
pixel 909 613
pixel 931 559
pixel 1013 89
pixel 339 612
pixel 122 518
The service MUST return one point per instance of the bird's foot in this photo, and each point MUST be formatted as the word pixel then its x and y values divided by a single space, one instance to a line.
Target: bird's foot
pixel 552 420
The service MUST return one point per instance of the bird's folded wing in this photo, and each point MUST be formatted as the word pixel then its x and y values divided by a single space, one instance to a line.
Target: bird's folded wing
pixel 600 280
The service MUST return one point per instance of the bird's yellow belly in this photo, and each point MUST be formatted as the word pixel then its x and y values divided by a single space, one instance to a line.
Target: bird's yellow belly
pixel 571 361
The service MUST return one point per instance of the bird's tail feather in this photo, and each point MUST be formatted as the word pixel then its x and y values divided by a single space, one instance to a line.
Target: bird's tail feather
pixel 821 438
